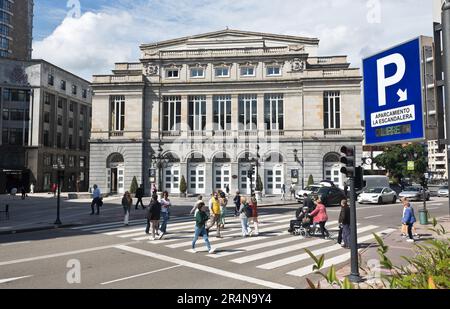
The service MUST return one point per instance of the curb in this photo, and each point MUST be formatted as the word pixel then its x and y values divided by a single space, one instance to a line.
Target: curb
pixel 37 229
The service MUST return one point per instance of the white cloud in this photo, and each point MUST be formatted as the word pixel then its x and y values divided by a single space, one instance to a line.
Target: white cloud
pixel 93 43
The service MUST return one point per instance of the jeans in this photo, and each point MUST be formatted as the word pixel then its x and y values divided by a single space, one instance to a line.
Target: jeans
pixel 198 231
pixel 244 224
pixel 410 233
pixel 165 219
pixel 346 234
pixel 95 201
pixel 341 230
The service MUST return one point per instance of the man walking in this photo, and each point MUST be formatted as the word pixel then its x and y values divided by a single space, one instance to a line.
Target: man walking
pixel 283 192
pixel 165 212
pixel 139 196
pixel 237 203
pixel 97 200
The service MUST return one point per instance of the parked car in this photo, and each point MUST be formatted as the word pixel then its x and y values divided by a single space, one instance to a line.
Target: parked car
pixel 378 196
pixel 331 196
pixel 442 192
pixel 308 190
pixel 415 193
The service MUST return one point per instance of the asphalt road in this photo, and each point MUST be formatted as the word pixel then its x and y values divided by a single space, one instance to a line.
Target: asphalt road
pixel 111 256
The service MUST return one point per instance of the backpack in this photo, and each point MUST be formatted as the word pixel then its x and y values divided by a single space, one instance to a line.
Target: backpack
pixel 248 211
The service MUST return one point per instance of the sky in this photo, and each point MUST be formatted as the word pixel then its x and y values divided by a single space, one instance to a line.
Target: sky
pixel 87 37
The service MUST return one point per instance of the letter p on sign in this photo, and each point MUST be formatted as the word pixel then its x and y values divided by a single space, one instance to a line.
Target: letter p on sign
pixel 383 81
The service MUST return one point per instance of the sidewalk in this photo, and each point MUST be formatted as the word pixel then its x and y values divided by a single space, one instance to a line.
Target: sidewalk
pixel 38 211
pixel 398 247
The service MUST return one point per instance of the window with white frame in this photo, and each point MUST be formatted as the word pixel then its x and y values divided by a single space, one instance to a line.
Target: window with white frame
pixel 274 112
pixel 197 113
pixel 248 71
pixel 117 113
pixel 248 112
pixel 332 110
pixel 173 73
pixel 273 70
pixel 222 112
pixel 197 73
pixel 222 71
pixel 171 113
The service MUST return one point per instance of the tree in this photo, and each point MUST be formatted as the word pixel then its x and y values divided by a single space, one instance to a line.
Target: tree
pixel 259 185
pixel 183 185
pixel 395 161
pixel 310 180
pixel 134 186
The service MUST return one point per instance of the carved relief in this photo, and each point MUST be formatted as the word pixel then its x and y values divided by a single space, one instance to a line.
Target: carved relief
pixel 151 69
pixel 298 65
pixel 151 53
pixel 297 48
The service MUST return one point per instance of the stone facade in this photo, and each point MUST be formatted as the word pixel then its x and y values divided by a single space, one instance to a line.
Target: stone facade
pixel 206 107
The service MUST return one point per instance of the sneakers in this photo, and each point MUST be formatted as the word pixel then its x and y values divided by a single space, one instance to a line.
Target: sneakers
pixel 212 251
pixel 410 240
pixel 152 238
pixel 194 251
pixel 162 235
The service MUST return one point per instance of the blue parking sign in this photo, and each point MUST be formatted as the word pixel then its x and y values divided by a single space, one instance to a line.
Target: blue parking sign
pixel 393 100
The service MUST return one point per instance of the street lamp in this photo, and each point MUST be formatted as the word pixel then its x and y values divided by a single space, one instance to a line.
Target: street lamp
pixel 301 162
pixel 159 161
pixel 59 168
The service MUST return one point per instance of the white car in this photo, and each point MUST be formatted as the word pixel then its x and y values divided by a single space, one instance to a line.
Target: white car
pixel 378 196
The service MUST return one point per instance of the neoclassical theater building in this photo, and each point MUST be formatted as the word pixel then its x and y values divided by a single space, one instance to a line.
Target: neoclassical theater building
pixel 208 106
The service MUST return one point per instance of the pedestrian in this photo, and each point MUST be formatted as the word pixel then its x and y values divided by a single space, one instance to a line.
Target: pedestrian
pixel 32 188
pixel 283 192
pixel 405 227
pixel 320 217
pixel 214 210
pixel 308 202
pixel 201 219
pixel 194 209
pixel 127 201
pixel 153 217
pixel 243 216
pixel 237 203
pixel 301 219
pixel 254 218
pixel 154 190
pixel 409 218
pixel 139 196
pixel 96 200
pixel 344 221
pixel 54 189
pixel 292 191
pixel 23 192
pixel 165 213
pixel 346 190
pixel 223 209
pixel 227 190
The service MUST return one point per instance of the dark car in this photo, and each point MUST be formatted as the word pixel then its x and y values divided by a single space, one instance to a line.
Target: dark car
pixel 331 196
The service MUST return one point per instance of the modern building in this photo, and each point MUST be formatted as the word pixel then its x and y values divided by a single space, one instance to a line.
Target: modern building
pixel 207 107
pixel 16 29
pixel 45 120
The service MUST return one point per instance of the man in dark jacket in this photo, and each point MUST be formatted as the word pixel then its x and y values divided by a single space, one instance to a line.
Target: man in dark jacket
pixel 344 221
pixel 139 196
pixel 308 202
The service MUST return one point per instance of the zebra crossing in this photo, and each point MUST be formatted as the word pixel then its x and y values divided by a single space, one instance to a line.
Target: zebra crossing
pixel 273 249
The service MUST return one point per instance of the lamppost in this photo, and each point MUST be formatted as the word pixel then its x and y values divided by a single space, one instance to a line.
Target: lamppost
pixel 59 168
pixel 301 162
pixel 159 161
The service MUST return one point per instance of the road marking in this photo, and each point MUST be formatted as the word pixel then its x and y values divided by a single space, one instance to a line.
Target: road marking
pixel 140 275
pixel 433 208
pixel 204 268
pixel 304 256
pixel 44 257
pixel 328 263
pixel 279 251
pixel 13 279
pixel 16 243
pixel 371 217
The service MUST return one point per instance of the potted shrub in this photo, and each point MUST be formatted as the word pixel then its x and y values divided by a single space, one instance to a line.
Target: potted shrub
pixel 310 180
pixel 134 186
pixel 183 187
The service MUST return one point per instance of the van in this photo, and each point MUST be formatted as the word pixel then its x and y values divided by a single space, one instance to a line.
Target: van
pixel 375 182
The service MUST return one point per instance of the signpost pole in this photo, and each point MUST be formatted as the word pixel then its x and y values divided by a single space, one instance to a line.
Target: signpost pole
pixel 354 276
pixel 446 70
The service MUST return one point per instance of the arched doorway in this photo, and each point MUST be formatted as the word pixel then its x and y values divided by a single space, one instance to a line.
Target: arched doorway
pixel 172 177
pixel 245 164
pixel 274 173
pixel 116 173
pixel 332 169
pixel 197 174
pixel 221 172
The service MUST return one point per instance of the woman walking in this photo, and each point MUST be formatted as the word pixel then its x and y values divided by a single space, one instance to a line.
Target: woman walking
pixel 201 218
pixel 223 209
pixel 344 220
pixel 409 219
pixel 243 216
pixel 254 219
pixel 153 216
pixel 127 201
pixel 320 217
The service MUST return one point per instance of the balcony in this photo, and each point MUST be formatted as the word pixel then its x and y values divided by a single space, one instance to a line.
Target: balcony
pixel 116 134
pixel 334 132
pixel 171 134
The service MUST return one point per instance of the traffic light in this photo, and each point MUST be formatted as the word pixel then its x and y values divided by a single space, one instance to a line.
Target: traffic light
pixel 348 159
pixel 359 178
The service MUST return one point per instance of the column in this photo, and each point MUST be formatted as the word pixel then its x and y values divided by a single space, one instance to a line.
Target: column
pixel 235 114
pixel 234 182
pixel 209 178
pixel 185 129
pixel 261 128
pixel 209 115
